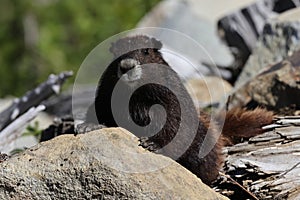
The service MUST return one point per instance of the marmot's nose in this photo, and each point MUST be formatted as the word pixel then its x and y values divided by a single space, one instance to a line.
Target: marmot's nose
pixel 128 64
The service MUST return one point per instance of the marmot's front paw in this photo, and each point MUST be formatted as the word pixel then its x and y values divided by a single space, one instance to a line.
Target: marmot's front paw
pixel 146 143
pixel 88 127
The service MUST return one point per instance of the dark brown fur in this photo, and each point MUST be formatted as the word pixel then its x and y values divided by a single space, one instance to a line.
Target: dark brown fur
pixel 237 121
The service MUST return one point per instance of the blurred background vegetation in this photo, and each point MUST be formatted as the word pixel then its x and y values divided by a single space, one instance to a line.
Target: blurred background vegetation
pixel 39 37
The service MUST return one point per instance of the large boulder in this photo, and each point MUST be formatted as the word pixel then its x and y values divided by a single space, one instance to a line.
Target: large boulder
pixel 104 164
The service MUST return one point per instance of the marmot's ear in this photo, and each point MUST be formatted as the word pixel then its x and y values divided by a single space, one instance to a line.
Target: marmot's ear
pixel 156 43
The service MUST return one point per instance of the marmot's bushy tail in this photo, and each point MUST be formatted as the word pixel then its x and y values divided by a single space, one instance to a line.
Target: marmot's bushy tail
pixel 241 123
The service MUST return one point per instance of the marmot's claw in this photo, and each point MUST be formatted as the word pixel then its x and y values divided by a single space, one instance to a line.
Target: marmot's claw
pixel 146 143
pixel 88 127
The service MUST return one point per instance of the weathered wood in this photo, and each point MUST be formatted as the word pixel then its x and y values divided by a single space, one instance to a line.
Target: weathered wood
pixel 33 98
pixel 14 130
pixel 267 165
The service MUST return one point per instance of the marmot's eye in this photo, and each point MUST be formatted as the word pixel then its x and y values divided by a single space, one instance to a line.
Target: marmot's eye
pixel 145 51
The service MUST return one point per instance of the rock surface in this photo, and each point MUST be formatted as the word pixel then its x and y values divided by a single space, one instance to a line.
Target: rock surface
pixel 104 164
pixel 279 39
pixel 208 91
pixel 242 28
pixel 275 88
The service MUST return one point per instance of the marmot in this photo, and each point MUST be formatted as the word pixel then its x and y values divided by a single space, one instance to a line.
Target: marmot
pixel 130 53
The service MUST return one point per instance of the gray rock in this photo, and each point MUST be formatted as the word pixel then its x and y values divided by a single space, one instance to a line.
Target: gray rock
pixel 210 90
pixel 104 164
pixel 276 88
pixel 280 38
pixel 241 28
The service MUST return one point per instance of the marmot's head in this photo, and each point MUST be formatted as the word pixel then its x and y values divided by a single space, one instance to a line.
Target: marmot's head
pixel 132 52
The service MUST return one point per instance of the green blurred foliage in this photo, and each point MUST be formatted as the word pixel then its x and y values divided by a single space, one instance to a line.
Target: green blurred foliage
pixel 33 130
pixel 39 37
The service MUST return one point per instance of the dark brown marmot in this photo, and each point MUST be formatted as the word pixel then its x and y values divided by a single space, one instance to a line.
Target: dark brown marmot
pixel 137 61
